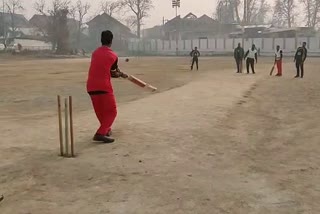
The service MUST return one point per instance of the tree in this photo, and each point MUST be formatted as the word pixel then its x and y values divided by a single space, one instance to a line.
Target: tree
pixel 110 7
pixel 13 6
pixel 284 13
pixel 56 26
pixel 254 11
pixel 141 9
pixel 312 12
pixel 79 11
pixel 225 11
pixel 257 11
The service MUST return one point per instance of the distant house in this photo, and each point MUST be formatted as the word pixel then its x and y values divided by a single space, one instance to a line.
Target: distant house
pixel 104 22
pixel 269 31
pixel 290 32
pixel 250 31
pixel 190 27
pixel 15 29
pixel 155 32
pixel 41 23
pixel 14 23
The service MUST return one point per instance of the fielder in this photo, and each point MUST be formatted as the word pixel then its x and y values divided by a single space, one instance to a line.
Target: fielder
pixel 252 56
pixel 104 66
pixel 278 60
pixel 195 54
pixel 300 58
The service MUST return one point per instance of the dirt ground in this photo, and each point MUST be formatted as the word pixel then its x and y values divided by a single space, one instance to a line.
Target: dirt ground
pixel 207 142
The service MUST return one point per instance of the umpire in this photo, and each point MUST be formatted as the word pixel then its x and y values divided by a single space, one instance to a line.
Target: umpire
pixel 238 56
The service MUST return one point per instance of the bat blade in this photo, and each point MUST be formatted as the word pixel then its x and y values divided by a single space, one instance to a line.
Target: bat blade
pixel 272 69
pixel 141 83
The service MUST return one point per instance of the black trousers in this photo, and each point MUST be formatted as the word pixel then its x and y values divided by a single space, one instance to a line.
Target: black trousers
pixel 239 65
pixel 250 62
pixel 300 68
pixel 195 60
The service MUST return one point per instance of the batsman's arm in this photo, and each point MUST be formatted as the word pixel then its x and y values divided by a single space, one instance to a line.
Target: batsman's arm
pixel 114 68
pixel 115 71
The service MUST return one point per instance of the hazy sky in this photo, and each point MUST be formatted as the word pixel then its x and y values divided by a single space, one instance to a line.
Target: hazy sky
pixel 161 8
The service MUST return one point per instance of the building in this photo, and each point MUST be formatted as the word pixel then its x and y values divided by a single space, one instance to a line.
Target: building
pixel 155 32
pixel 269 31
pixel 41 23
pixel 104 22
pixel 190 27
pixel 14 25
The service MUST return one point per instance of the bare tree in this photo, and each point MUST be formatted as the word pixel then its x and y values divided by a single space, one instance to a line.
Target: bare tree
pixel 56 27
pixel 79 11
pixel 141 9
pixel 312 12
pixel 110 6
pixel 225 11
pixel 284 13
pixel 13 6
pixel 254 11
pixel 257 11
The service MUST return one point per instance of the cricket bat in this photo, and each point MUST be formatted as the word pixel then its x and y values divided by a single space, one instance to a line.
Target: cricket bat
pixel 141 83
pixel 272 69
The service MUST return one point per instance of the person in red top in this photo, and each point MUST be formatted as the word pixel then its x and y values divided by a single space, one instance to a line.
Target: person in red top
pixel 104 66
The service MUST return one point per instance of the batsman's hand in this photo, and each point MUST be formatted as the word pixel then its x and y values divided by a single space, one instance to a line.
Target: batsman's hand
pixel 121 74
pixel 115 74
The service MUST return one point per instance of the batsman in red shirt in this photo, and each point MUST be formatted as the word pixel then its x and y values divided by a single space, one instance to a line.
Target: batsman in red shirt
pixel 104 66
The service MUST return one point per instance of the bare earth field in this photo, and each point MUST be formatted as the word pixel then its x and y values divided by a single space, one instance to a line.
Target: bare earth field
pixel 208 142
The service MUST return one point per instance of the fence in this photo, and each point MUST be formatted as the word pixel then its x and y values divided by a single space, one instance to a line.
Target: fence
pixel 222 46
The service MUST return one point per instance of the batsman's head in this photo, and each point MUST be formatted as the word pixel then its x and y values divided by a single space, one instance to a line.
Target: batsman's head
pixel 106 38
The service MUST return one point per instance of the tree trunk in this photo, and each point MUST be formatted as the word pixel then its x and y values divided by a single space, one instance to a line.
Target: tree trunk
pixel 79 35
pixel 289 18
pixel 236 7
pixel 138 28
pixel 245 12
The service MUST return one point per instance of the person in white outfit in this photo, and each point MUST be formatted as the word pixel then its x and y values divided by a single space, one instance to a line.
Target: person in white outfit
pixel 251 57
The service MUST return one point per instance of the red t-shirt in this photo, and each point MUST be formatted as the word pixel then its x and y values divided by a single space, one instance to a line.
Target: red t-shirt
pixel 99 76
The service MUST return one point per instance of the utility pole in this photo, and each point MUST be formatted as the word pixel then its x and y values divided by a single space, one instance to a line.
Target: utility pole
pixel 3 25
pixel 176 4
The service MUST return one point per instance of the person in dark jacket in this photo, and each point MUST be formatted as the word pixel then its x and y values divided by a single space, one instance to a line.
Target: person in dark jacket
pixel 195 57
pixel 238 56
pixel 300 58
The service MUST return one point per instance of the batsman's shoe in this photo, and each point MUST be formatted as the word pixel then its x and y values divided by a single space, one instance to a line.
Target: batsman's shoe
pixel 102 138
pixel 109 134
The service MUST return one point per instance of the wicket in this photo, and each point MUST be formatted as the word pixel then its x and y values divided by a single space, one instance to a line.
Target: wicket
pixel 68 126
